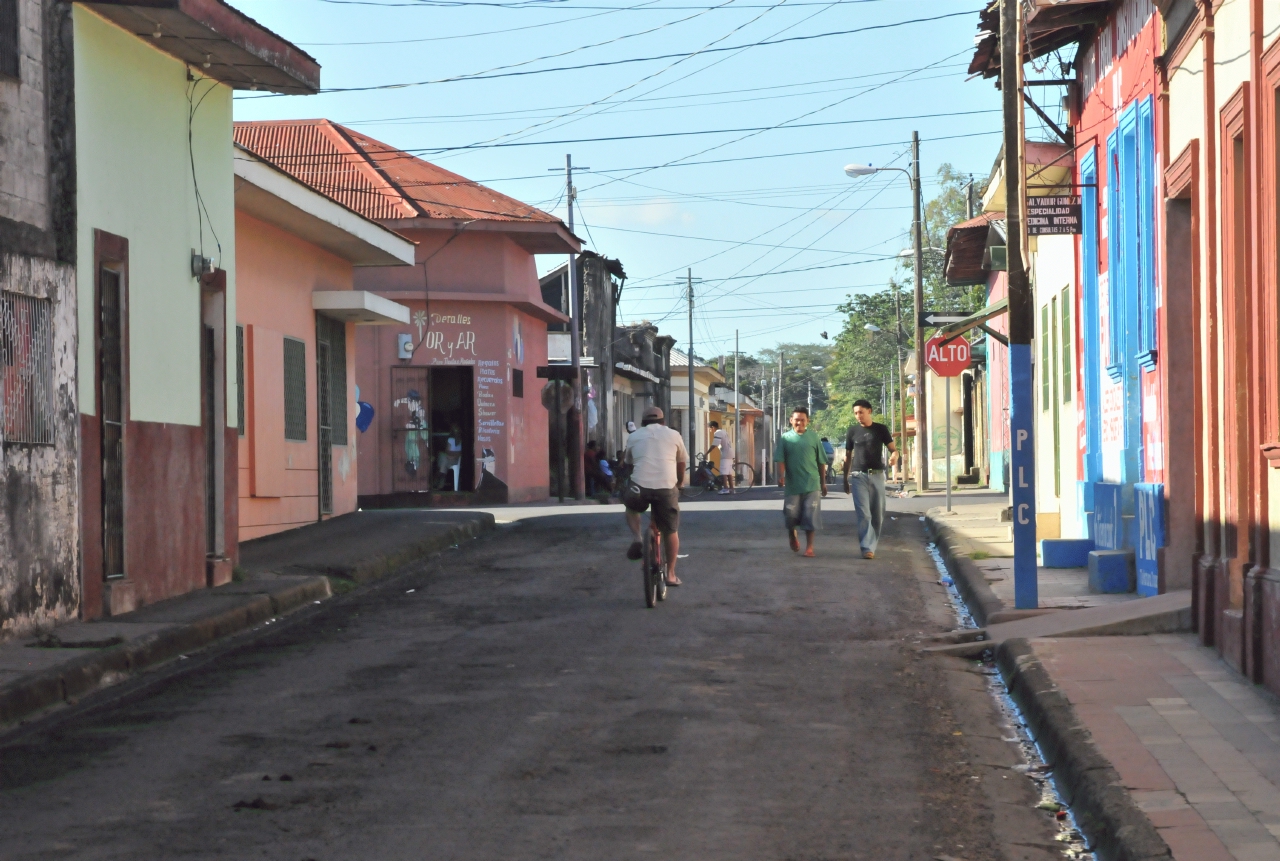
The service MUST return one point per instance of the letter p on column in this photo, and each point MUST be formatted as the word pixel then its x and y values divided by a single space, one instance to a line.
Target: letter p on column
pixel 1022 436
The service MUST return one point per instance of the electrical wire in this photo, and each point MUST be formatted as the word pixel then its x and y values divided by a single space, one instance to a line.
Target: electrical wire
pixel 512 70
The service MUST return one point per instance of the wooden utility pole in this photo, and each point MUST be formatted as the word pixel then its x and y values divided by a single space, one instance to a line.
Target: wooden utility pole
pixel 577 472
pixel 1021 318
pixel 923 455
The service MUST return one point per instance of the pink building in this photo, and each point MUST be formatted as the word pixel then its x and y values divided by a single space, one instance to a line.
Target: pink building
pixel 296 319
pixel 458 413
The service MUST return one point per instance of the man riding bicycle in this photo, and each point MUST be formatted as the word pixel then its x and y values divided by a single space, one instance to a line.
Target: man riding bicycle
pixel 659 456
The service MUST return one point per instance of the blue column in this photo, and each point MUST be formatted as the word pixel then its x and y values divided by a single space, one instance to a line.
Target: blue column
pixel 1022 443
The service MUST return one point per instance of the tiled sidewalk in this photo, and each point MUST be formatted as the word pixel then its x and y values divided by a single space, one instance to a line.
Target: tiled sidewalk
pixel 1197 746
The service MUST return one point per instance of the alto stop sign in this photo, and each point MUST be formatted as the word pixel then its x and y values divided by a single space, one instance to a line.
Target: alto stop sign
pixel 949 359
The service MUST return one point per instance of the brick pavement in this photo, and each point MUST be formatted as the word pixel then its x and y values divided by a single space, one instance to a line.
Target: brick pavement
pixel 1196 745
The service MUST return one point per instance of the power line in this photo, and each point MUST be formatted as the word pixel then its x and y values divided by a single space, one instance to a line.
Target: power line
pixel 654 135
pixel 507 70
pixel 395 120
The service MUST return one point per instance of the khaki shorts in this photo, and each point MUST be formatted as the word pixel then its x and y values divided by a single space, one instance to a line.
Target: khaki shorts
pixel 665 504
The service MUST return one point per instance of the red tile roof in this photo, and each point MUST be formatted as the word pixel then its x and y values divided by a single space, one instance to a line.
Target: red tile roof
pixel 376 180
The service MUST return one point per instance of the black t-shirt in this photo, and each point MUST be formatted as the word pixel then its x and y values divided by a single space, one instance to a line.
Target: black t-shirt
pixel 864 446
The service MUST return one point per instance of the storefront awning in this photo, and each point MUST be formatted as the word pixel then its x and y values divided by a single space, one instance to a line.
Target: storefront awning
pixel 635 373
pixel 359 306
pixel 978 321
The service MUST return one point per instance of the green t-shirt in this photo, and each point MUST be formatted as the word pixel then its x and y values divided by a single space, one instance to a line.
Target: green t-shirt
pixel 802 455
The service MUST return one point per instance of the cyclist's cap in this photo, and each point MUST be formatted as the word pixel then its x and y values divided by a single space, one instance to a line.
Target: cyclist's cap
pixel 652 413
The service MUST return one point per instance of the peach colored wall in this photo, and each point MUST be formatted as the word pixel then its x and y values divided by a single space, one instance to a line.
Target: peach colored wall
pixel 517 430
pixel 277 272
pixel 480 262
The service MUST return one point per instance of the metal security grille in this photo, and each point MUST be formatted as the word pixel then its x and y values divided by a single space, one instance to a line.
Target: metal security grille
pixel 208 355
pixel 323 403
pixel 295 390
pixel 240 380
pixel 334 333
pixel 111 412
pixel 10 53
pixel 26 369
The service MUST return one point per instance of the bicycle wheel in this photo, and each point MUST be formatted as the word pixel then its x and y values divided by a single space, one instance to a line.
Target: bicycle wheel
pixel 648 564
pixel 745 474
pixel 660 569
pixel 692 490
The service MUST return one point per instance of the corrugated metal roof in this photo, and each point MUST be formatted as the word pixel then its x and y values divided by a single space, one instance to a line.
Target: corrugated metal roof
pixel 374 179
pixel 966 244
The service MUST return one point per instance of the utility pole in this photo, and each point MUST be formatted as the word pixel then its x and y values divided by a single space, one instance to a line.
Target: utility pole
pixel 737 414
pixel 1021 318
pixel 968 196
pixel 576 451
pixel 692 413
pixel 810 398
pixel 922 386
pixel 781 407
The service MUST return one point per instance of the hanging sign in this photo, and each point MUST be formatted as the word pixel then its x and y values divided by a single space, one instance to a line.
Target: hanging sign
pixel 1051 216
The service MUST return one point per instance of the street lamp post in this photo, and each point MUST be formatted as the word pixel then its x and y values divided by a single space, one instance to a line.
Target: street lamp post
pixel 913 176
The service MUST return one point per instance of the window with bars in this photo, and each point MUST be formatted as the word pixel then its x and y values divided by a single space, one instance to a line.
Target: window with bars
pixel 517 383
pixel 10 49
pixel 26 369
pixel 334 333
pixel 295 390
pixel 240 380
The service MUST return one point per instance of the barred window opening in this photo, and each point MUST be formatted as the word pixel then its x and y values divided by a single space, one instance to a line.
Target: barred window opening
pixel 10 49
pixel 240 380
pixel 295 390
pixel 26 369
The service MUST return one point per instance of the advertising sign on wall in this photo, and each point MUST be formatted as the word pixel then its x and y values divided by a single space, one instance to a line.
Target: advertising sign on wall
pixel 1054 216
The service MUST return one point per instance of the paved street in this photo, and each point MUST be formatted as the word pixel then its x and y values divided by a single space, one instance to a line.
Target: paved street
pixel 513 699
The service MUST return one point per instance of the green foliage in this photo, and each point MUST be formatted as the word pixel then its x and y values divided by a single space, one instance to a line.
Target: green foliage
pixel 858 362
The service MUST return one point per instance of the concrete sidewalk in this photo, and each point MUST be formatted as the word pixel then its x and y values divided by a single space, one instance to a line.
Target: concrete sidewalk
pixel 1196 746
pixel 277 574
pixel 1161 750
pixel 978 547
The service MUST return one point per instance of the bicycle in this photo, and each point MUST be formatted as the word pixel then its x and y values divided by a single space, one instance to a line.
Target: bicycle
pixel 653 565
pixel 744 473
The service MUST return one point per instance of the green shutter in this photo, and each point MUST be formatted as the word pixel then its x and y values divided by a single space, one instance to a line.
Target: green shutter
pixel 1045 371
pixel 295 390
pixel 1068 344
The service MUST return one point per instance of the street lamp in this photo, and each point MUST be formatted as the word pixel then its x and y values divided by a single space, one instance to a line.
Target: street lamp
pixel 913 176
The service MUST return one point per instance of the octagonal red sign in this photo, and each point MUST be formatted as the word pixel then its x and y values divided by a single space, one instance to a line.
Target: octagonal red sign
pixel 949 359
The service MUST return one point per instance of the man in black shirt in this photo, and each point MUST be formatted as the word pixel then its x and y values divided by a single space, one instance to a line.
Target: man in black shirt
pixel 864 457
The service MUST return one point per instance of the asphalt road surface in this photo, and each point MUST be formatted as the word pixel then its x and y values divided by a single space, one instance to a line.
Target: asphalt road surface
pixel 514 699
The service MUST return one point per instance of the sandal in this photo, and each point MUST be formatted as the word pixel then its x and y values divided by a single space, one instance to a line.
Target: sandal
pixel 635 551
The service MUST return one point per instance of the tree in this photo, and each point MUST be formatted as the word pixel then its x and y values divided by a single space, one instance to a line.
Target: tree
pixel 862 359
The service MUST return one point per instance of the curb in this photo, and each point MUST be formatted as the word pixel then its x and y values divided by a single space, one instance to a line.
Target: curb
pixel 973 588
pixel 85 673
pixel 379 566
pixel 1088 782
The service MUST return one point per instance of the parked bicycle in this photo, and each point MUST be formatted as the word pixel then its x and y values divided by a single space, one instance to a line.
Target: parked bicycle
pixel 707 477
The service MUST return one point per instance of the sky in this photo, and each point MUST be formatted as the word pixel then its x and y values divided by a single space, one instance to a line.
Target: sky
pixel 697 145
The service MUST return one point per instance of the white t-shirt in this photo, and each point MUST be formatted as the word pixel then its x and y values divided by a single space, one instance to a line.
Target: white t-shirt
pixel 655 450
pixel 721 438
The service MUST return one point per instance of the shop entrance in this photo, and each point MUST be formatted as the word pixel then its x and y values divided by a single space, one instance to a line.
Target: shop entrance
pixel 450 396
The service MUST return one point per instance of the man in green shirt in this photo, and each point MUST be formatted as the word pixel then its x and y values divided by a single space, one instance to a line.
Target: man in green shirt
pixel 802 471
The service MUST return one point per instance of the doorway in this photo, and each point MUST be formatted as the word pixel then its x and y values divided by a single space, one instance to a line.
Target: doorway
pixel 450 397
pixel 111 409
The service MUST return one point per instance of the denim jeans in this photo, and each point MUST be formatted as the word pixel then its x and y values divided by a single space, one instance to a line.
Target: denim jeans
pixel 867 489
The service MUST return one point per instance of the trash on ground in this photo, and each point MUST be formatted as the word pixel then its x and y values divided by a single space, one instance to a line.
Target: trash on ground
pixel 258 803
